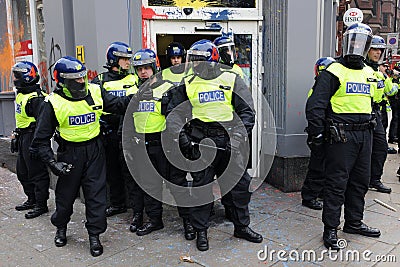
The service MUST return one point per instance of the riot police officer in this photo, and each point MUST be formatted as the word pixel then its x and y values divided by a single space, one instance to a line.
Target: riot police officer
pixel 341 102
pixel 314 182
pixel 149 122
pixel 74 109
pixel 385 87
pixel 32 173
pixel 175 54
pixel 119 82
pixel 210 118
pixel 227 53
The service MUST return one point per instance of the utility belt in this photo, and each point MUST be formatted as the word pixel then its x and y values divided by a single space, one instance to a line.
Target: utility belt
pixel 149 139
pixel 29 129
pixel 203 131
pixel 62 143
pixel 337 130
pixel 147 143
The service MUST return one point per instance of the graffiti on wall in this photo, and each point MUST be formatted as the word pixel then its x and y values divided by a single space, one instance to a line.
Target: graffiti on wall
pixel 6 62
pixel 204 3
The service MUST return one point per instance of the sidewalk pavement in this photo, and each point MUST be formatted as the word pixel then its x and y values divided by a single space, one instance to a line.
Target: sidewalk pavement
pixel 285 224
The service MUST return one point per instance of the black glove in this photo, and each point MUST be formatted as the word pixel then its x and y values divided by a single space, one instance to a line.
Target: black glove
pixel 59 168
pixel 389 72
pixel 14 145
pixel 14 142
pixel 185 143
pixel 234 143
pixel 144 93
pixel 315 142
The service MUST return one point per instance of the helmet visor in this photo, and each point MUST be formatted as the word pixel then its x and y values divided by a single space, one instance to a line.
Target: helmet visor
pixel 355 43
pixel 75 75
pixel 138 63
pixel 121 54
pixel 227 53
pixel 196 55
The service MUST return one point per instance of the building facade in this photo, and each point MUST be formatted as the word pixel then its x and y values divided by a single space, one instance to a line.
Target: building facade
pixel 276 51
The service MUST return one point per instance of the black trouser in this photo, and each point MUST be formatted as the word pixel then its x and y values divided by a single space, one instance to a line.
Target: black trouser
pixel 181 195
pixel 315 177
pixel 347 178
pixel 135 195
pixel 115 180
pixel 150 168
pixel 379 151
pixel 32 173
pixel 227 170
pixel 394 104
pixel 89 171
pixel 384 117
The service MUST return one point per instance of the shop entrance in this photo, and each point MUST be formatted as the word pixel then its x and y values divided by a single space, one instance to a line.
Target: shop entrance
pixel 248 43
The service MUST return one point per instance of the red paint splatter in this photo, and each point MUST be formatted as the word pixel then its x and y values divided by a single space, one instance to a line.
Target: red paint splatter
pixel 148 13
pixel 91 74
pixel 44 82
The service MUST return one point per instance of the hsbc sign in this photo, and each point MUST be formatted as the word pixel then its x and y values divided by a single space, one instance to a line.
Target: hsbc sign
pixel 353 15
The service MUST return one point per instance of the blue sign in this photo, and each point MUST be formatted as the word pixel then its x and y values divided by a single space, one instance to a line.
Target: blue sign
pixel 381 84
pixel 117 92
pixel 357 88
pixel 146 106
pixel 18 108
pixel 82 119
pixel 212 96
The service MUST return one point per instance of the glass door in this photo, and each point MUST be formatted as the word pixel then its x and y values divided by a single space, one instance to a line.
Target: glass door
pixel 247 41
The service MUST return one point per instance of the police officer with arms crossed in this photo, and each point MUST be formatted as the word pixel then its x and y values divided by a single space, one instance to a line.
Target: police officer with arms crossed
pixel 314 183
pixel 385 87
pixel 74 109
pixel 32 173
pixel 119 82
pixel 341 102
pixel 209 120
pixel 149 122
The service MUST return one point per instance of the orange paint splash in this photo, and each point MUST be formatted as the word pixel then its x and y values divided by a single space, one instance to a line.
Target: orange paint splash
pixel 6 62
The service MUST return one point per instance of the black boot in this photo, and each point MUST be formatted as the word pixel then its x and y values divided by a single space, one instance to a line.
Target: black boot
pixel 154 225
pixel 37 211
pixel 330 238
pixel 137 221
pixel 114 210
pixel 380 187
pixel 313 204
pixel 202 240
pixel 361 229
pixel 27 205
pixel 248 234
pixel 60 239
pixel 190 234
pixel 96 249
